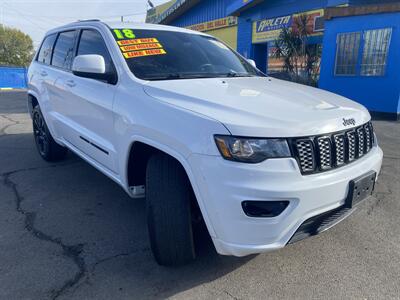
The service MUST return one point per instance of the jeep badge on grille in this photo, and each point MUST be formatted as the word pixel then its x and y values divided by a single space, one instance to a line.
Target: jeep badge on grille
pixel 348 122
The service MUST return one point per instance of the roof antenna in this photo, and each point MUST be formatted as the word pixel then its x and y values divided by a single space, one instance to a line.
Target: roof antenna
pixel 150 3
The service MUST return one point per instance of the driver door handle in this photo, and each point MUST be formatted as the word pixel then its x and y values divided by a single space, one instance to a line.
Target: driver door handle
pixel 70 83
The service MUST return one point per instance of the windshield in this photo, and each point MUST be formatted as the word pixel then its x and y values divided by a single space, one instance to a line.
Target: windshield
pixel 168 55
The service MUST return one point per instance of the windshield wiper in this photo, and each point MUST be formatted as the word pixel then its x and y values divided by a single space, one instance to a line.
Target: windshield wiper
pixel 174 76
pixel 235 74
pixel 232 74
pixel 163 76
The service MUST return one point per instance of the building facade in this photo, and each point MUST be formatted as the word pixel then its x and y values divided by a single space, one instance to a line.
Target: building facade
pixel 208 16
pixel 252 27
pixel 361 58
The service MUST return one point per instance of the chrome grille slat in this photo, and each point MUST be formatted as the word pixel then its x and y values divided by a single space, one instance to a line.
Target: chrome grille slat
pixel 306 155
pixel 323 153
pixel 340 148
pixel 371 128
pixel 360 141
pixel 351 143
pixel 368 139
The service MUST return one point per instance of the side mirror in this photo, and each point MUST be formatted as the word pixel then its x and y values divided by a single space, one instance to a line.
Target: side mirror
pixel 92 66
pixel 252 62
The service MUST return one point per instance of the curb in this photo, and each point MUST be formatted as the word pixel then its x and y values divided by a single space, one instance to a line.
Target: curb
pixel 6 89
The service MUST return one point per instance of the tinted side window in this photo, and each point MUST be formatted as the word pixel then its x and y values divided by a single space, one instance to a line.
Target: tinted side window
pixel 46 49
pixel 64 50
pixel 92 42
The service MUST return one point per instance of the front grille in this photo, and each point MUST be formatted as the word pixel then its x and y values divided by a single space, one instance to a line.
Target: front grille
pixel 322 153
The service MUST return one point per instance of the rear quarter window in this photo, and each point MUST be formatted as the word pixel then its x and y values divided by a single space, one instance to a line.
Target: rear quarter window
pixel 46 49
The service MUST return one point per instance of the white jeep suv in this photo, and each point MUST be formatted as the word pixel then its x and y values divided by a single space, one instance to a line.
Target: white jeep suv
pixel 179 118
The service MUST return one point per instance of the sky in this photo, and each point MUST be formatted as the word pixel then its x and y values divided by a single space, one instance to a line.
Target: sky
pixel 35 17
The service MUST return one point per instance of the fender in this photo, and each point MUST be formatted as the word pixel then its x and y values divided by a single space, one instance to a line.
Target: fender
pixel 44 113
pixel 32 93
pixel 183 161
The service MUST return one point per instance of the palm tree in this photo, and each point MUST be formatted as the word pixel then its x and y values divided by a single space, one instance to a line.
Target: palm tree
pixel 301 59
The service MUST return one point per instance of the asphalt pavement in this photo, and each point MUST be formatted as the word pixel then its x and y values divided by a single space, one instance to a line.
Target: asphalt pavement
pixel 68 232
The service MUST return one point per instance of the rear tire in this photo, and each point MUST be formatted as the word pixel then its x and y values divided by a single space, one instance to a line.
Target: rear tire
pixel 168 195
pixel 47 147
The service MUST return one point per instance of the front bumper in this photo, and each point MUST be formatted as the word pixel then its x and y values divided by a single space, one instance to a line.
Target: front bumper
pixel 223 185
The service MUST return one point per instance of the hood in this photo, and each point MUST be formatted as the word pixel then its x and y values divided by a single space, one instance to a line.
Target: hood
pixel 261 106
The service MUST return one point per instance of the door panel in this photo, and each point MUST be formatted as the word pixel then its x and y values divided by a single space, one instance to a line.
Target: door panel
pixel 43 78
pixel 83 106
pixel 88 118
pixel 59 70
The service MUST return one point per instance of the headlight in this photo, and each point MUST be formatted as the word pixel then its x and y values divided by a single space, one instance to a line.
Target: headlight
pixel 251 150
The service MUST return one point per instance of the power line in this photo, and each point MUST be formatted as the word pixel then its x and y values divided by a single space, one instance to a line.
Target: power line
pixel 39 18
pixel 83 17
pixel 46 19
pixel 26 19
pixel 2 15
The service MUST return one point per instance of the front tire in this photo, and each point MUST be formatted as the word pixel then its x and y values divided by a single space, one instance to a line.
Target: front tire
pixel 47 147
pixel 168 196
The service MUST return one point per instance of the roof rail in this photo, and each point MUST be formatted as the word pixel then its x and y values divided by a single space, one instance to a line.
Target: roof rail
pixel 90 20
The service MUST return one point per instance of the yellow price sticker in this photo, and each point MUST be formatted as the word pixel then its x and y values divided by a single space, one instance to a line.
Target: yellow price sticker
pixel 140 47
pixel 144 53
pixel 137 41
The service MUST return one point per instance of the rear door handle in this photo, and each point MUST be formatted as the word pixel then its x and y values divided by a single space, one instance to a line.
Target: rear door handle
pixel 43 73
pixel 70 83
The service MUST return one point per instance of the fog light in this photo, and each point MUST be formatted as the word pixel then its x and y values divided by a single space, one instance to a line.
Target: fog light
pixel 264 209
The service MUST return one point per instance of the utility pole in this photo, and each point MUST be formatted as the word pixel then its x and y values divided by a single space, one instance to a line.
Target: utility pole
pixel 122 19
pixel 2 14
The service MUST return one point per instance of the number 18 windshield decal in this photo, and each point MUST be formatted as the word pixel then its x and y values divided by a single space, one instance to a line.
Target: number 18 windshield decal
pixel 131 46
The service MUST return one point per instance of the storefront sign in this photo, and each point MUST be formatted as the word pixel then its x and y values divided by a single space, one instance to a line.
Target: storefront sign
pixel 270 29
pixel 215 24
pixel 170 10
pixel 154 13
